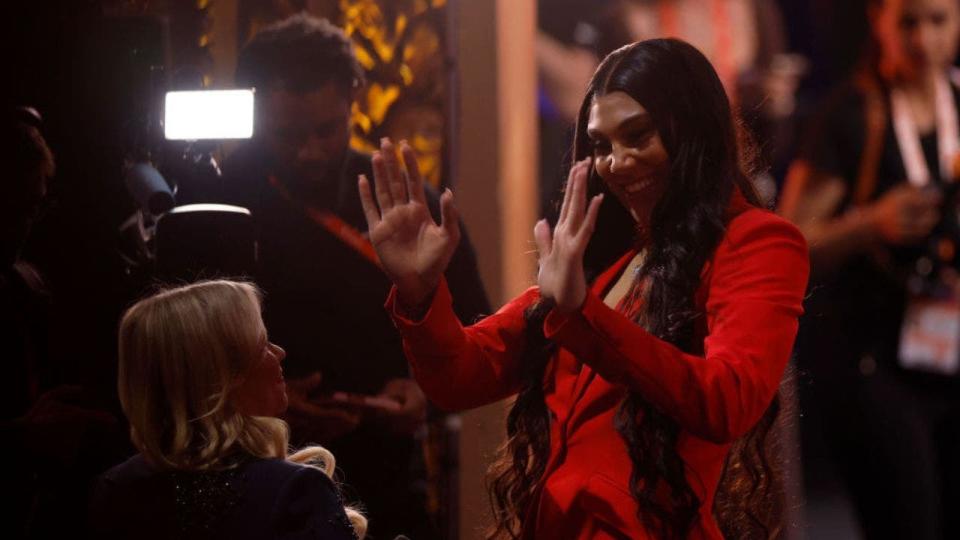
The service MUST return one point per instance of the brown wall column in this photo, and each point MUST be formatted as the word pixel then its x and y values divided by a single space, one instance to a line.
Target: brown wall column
pixel 496 190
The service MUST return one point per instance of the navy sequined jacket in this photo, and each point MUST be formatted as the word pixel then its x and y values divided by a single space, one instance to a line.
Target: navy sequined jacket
pixel 259 498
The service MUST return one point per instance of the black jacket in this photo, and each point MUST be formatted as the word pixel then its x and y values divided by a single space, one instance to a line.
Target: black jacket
pixel 261 498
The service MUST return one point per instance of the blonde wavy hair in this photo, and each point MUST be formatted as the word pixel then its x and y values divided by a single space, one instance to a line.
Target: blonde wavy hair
pixel 183 352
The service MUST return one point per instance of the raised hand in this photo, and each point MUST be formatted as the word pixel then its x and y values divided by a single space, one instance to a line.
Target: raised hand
pixel 561 274
pixel 413 249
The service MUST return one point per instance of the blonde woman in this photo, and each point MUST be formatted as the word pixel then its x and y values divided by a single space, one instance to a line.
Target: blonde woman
pixel 202 387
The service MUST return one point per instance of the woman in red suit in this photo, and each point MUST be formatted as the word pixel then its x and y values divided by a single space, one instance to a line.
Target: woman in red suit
pixel 646 363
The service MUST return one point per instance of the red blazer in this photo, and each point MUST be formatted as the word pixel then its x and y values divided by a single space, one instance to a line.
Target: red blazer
pixel 751 293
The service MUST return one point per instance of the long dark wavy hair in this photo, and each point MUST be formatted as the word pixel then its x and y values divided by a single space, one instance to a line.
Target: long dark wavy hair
pixel 708 159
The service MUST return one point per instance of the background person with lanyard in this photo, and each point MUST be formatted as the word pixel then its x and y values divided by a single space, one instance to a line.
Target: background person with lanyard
pixel 875 195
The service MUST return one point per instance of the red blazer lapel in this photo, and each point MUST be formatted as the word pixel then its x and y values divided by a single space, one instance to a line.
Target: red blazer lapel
pixel 600 286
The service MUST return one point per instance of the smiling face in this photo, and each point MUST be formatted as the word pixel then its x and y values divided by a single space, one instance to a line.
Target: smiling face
pixel 628 152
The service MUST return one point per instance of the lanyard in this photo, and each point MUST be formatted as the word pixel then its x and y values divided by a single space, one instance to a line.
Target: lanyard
pixel 905 128
pixel 336 226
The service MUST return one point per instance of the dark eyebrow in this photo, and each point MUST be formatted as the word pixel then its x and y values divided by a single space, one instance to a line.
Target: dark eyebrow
pixel 642 118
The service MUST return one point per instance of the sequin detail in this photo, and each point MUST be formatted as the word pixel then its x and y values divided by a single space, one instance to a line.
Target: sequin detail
pixel 204 498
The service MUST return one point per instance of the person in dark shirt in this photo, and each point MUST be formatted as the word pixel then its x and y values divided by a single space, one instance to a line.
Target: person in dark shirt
pixel 48 427
pixel 29 165
pixel 874 193
pixel 324 289
pixel 202 386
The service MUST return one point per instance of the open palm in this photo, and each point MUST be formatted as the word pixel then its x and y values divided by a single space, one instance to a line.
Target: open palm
pixel 413 249
pixel 561 275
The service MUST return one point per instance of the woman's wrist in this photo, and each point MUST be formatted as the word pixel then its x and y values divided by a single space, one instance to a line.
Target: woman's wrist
pixel 414 298
pixel 570 303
